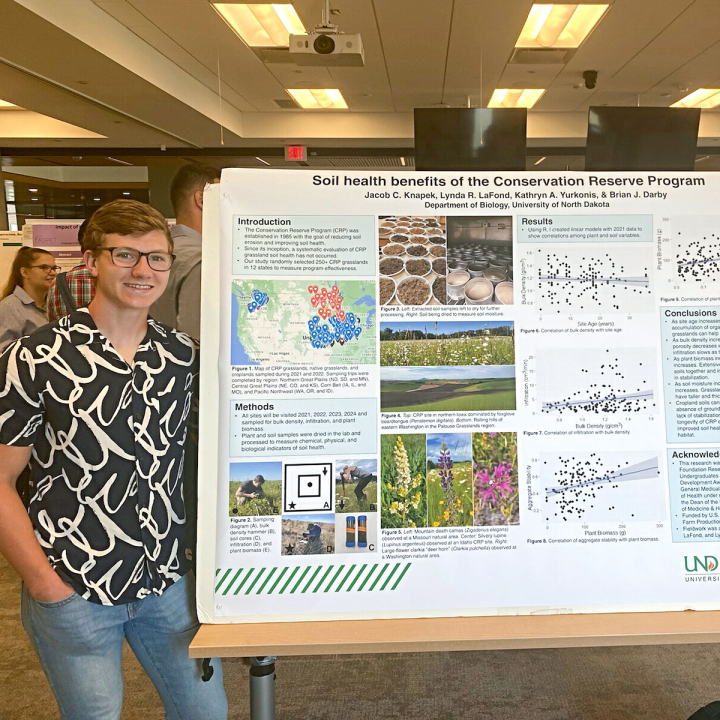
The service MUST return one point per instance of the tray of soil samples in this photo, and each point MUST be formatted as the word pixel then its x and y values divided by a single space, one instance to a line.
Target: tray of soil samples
pixel 439 290
pixel 417 250
pixel 413 291
pixel 393 249
pixel 437 251
pixel 418 266
pixel 391 266
pixel 387 290
pixel 400 238
pixel 440 266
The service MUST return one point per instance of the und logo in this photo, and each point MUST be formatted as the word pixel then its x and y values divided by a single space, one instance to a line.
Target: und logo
pixel 704 564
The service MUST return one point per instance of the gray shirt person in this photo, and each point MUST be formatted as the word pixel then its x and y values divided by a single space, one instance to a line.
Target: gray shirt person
pixel 179 305
pixel 19 316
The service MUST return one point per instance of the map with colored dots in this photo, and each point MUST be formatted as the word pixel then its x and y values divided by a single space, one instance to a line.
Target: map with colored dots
pixel 281 322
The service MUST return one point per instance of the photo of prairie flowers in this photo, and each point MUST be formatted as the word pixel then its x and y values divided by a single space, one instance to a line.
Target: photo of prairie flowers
pixel 449 479
pixel 402 481
pixel 495 478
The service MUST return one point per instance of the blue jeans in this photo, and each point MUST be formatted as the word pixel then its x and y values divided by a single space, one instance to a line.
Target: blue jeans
pixel 80 647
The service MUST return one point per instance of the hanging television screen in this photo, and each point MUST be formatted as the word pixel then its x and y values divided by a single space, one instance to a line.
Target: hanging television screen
pixel 647 138
pixel 470 138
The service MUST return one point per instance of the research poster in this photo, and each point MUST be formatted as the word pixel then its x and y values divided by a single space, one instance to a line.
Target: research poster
pixel 456 394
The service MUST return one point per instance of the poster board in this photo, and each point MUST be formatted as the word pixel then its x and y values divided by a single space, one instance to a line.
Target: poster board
pixel 579 471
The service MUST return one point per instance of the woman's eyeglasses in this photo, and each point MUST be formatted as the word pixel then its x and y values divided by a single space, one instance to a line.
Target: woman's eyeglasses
pixel 47 268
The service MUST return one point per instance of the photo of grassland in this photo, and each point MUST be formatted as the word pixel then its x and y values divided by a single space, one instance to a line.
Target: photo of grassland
pixel 449 479
pixel 406 344
pixel 447 389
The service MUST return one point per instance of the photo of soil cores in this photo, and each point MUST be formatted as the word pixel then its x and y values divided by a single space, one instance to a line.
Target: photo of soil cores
pixel 308 534
pixel 356 485
pixel 409 344
pixel 447 389
pixel 495 478
pixel 449 479
pixel 403 481
pixel 259 479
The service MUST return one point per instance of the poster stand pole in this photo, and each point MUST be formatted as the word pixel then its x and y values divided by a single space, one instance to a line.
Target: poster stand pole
pixel 262 688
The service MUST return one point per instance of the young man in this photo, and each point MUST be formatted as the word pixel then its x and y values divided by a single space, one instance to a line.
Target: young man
pixel 250 490
pixel 179 305
pixel 99 404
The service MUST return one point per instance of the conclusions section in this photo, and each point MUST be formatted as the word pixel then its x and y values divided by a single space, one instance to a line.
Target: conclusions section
pixel 691 371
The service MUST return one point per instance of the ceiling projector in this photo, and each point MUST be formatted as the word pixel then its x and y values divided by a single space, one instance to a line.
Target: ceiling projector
pixel 323 48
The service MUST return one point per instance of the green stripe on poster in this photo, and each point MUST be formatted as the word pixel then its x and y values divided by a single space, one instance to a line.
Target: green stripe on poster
pixel 222 579
pixel 247 575
pixel 232 582
pixel 279 578
pixel 322 579
pixel 367 577
pixel 267 579
pixel 356 578
pixel 342 582
pixel 401 576
pixel 335 577
pixel 377 579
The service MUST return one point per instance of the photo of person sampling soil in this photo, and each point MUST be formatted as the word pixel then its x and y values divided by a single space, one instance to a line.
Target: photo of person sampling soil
pixel 355 485
pixel 308 534
pixel 255 488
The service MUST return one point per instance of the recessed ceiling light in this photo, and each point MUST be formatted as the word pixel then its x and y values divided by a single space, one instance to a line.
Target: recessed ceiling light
pixel 32 189
pixel 559 26
pixel 5 104
pixel 126 193
pixel 542 159
pixel 318 99
pixel 264 162
pixel 701 98
pixel 514 98
pixel 262 25
pixel 96 199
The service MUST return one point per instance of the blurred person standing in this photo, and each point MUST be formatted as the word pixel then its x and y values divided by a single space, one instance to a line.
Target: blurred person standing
pixel 179 305
pixel 22 308
pixel 73 289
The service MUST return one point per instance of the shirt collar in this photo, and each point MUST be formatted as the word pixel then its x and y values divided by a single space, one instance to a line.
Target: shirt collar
pixel 82 330
pixel 23 297
pixel 185 231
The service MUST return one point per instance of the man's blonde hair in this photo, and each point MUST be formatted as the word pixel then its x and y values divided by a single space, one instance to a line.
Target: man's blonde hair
pixel 124 217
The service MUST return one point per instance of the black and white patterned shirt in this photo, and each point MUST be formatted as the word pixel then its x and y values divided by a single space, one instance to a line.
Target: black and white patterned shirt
pixel 108 451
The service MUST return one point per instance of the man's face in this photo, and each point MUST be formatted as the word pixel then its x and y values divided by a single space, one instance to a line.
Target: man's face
pixel 257 483
pixel 133 288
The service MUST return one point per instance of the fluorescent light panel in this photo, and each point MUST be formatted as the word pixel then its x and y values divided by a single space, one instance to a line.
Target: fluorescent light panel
pixel 701 98
pixel 559 26
pixel 318 99
pixel 6 104
pixel 515 98
pixel 262 25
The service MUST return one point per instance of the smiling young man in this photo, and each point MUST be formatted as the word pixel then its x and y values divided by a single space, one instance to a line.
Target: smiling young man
pixel 99 404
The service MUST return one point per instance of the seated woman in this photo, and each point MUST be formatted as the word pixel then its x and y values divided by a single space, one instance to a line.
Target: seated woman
pixel 22 308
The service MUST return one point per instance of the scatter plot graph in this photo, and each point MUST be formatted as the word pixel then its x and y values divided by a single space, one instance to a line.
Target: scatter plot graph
pixel 585 279
pixel 590 382
pixel 602 487
pixel 697 249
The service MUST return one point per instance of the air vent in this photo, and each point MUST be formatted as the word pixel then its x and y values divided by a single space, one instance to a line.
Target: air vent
pixel 286 104
pixel 541 56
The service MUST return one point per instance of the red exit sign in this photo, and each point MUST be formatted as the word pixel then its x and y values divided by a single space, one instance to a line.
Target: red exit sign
pixel 296 153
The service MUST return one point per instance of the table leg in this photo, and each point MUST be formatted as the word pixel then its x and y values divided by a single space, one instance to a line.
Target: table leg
pixel 262 688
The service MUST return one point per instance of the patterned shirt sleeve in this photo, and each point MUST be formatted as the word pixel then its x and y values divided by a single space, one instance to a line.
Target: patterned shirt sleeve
pixel 21 407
